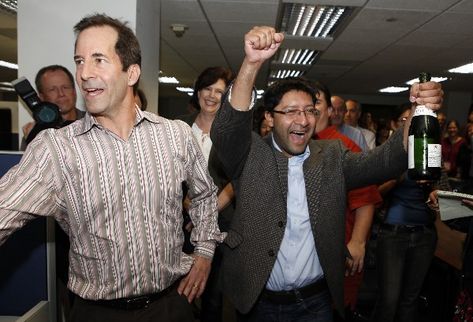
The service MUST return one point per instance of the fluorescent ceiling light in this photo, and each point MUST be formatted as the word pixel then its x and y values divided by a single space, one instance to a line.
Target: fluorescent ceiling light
pixel 309 20
pixel 185 89
pixel 9 5
pixel 298 56
pixel 8 65
pixel 393 89
pixel 7 84
pixel 168 80
pixel 7 89
pixel 283 73
pixel 433 79
pixel 465 69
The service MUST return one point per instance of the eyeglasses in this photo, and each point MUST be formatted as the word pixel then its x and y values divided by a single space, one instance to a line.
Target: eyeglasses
pixel 294 112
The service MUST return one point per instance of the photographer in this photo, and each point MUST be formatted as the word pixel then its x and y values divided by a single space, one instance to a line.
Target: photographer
pixel 55 84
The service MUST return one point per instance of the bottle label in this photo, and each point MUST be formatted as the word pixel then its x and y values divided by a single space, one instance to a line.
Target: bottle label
pixel 424 110
pixel 421 153
pixel 434 158
pixel 410 152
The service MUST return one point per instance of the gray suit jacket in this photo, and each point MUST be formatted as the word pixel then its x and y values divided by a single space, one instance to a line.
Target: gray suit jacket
pixel 259 173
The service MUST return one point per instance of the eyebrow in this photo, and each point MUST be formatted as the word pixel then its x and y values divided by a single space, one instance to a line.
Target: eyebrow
pixel 95 55
pixel 98 55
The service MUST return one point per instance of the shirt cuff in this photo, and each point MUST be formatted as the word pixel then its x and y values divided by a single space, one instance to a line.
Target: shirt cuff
pixel 253 98
pixel 206 249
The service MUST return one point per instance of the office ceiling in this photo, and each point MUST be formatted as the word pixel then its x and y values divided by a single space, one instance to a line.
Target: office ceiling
pixel 383 43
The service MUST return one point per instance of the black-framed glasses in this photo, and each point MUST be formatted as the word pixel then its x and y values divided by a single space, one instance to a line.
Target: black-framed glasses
pixel 294 112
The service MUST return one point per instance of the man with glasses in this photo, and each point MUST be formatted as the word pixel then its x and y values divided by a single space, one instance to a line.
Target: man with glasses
pixel 284 256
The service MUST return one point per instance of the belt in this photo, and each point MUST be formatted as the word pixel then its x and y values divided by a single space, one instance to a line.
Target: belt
pixel 134 303
pixel 406 228
pixel 296 295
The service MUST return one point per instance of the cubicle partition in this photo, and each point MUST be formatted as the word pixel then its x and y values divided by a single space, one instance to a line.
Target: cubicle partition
pixel 26 268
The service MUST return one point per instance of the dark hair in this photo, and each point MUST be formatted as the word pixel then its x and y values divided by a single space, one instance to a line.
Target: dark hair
pixel 400 109
pixel 208 77
pixel 127 46
pixel 357 105
pixel 276 91
pixel 51 68
pixel 455 122
pixel 321 87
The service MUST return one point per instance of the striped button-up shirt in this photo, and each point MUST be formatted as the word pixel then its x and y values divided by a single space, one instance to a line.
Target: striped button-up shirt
pixel 119 200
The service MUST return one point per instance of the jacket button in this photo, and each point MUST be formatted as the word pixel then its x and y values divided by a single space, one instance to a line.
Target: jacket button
pixel 281 223
pixel 271 252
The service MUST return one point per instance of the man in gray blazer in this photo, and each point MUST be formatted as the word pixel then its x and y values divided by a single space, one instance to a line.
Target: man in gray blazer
pixel 284 254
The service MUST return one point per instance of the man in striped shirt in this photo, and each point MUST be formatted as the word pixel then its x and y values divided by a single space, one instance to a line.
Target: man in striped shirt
pixel 113 182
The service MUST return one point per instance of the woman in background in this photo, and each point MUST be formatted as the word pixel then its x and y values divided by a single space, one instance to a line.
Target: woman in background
pixel 206 99
pixel 454 147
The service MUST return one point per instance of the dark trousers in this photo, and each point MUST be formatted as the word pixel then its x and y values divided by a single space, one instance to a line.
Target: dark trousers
pixel 317 308
pixel 212 298
pixel 171 307
pixel 403 259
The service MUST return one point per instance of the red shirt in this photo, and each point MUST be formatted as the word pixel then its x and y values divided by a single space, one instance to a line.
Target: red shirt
pixel 356 198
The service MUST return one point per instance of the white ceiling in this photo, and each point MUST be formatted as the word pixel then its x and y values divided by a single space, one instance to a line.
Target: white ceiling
pixel 384 42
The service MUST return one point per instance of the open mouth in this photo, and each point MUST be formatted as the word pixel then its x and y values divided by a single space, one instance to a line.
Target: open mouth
pixel 93 91
pixel 298 136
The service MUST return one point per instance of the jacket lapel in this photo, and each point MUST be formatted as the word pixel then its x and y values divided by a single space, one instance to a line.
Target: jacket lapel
pixel 281 163
pixel 312 178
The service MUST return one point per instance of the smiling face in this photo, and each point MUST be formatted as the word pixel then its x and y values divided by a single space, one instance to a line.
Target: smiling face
pixel 292 134
pixel 210 97
pixel 57 88
pixel 452 129
pixel 105 86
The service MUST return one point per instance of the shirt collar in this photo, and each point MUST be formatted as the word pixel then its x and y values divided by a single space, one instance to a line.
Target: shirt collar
pixel 89 121
pixel 295 159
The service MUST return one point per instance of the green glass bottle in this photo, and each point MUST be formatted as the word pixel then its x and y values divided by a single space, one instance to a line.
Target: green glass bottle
pixel 424 147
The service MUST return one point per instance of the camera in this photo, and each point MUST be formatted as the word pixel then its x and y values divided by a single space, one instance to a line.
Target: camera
pixel 45 114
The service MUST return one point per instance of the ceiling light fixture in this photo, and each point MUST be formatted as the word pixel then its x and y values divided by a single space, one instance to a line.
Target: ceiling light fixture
pixel 299 56
pixel 312 21
pixel 8 65
pixel 7 89
pixel 185 89
pixel 393 89
pixel 168 80
pixel 284 73
pixel 465 69
pixel 10 6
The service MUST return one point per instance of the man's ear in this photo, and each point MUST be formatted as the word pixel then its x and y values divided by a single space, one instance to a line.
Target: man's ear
pixel 134 72
pixel 269 117
pixel 330 111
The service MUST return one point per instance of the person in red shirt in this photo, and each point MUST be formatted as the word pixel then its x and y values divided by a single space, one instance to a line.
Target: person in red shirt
pixel 361 205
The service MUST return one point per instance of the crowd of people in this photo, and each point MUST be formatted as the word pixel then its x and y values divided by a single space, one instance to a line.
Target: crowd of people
pixel 270 207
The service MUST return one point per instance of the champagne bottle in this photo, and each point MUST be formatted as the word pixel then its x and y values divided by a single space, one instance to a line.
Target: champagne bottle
pixel 424 148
